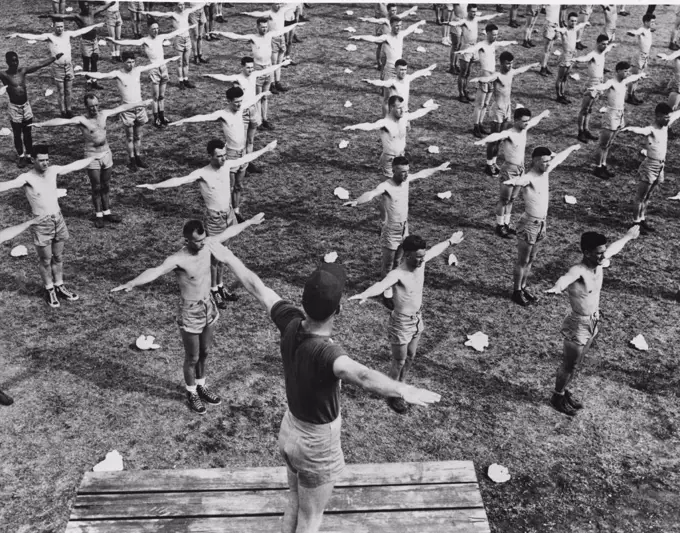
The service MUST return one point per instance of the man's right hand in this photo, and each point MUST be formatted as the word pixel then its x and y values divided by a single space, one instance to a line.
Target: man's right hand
pixel 149 186
pixel 125 288
pixel 351 203
pixel 271 146
pixel 416 396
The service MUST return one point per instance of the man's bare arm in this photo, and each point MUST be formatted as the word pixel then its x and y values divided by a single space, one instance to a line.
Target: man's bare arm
pixel 251 156
pixel 638 130
pixel 76 165
pixel 369 38
pixel 126 107
pixel 367 196
pixel 150 275
pixel 574 274
pixel 413 27
pixel 16 183
pixel 9 233
pixel 560 157
pixel 234 36
pixel 418 113
pixel 252 101
pixel 30 36
pixel 173 182
pixel 441 247
pixel 210 117
pixel 285 30
pixel 100 75
pixel 487 79
pixel 157 64
pixel 75 121
pixel 494 137
pixel 423 72
pixel 615 247
pixel 233 231
pixel 426 173
pixel 380 83
pixel 393 276
pixel 526 68
pixel 83 31
pixel 34 68
pixel 535 120
pixel 223 77
pixel 366 126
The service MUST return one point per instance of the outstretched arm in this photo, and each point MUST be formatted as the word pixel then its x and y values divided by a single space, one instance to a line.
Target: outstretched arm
pixel 217 115
pixel 487 79
pixel 233 231
pixel 393 276
pixel 163 14
pixel 30 36
pixel 634 78
pixel 615 247
pixel 252 101
pixel 574 274
pixel 534 121
pixel 413 27
pixel 494 137
pixel 603 86
pixel 157 64
pixel 526 68
pixel 127 42
pixel 675 115
pixel 380 83
pixel 76 165
pixel 256 14
pixel 366 126
pixel 83 31
pixel 486 17
pixel 173 182
pixel 505 43
pixel 423 72
pixel 373 20
pixel 149 275
pixel 75 121
pixel 285 30
pixel 367 196
pixel 369 38
pixel 223 77
pixel 234 36
pixel 441 247
pixel 639 31
pixel 472 49
pixel 271 69
pixel 100 75
pixel 420 112
pixel 670 57
pixel 9 233
pixel 426 173
pixel 408 12
pixel 126 107
pixel 252 156
pixel 34 68
pixel 640 131
pixel 17 182
pixel 103 8
pixel 584 59
pixel 561 156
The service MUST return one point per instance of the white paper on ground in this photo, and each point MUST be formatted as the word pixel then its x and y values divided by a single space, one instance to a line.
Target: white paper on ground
pixel 575 76
pixel 351 47
pixel 348 71
pixel 49 92
pixel 643 152
pixel 676 197
pixel 102 42
pixel 603 109
pixel 640 343
pixel 146 342
pixel 569 199
pixel 330 257
pixel 3 90
pixel 31 41
pixel 341 193
pixel 453 260
pixel 518 106
pixel 348 104
pixel 557 53
pixel 19 251
pixel 498 473
pixel 69 9
pixel 166 43
pixel 112 463
pixel 77 68
pixel 350 13
pixel 421 49
pixel 350 29
pixel 433 149
pixel 5 131
pixel 444 195
pixel 478 341
pixel 343 144
pixel 429 103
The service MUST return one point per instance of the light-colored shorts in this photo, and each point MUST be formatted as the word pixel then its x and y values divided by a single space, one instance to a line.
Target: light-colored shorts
pixel 386 164
pixel 197 17
pixel 113 19
pixel 510 171
pixel 20 113
pixel 193 316
pixel 62 72
pixel 105 160
pixel 218 221
pixel 641 60
pixel 651 171
pixel 549 32
pixel 613 119
pixel 252 115
pixel 501 114
pixel 485 87
pixel 580 329
pixel 261 80
pixel 311 451
pixel 88 48
pixel 388 72
pixel 159 75
pixel 566 59
pixel 470 58
pixel 588 87
pixel 52 229
pixel 279 44
pixel 402 329
pixel 134 117
pixel 392 234
pixel 182 43
pixel 236 154
pixel 530 229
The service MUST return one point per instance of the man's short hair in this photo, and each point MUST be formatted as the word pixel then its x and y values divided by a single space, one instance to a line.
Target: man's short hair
pixel 128 54
pixel 622 65
pixel 323 291
pixel 602 37
pixel 521 112
pixel 263 20
pixel 215 144
pixel 413 243
pixel 393 100
pixel 471 7
pixel 246 59
pixel 191 227
pixel 234 92
pixel 541 151
pixel 400 160
pixel 394 19
pixel 88 96
pixel 390 6
pixel 150 21
pixel 572 14
pixel 591 240
pixel 662 108
pixel 506 56
pixel 40 149
pixel 11 54
pixel 400 63
pixel 647 17
pixel 490 27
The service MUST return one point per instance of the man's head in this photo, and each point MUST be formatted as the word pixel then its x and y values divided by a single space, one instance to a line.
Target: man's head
pixel 217 153
pixel 414 251
pixel 572 20
pixel 521 116
pixel 128 58
pixel 540 158
pixel 276 7
pixel 323 292
pixel 602 42
pixel 41 157
pixel 58 27
pixel 194 236
pixel 622 70
pixel 649 20
pixel 91 104
pixel 248 65
pixel 395 25
pixel 180 6
pixel 154 29
pixel 12 60
pixel 401 67
pixel 471 11
pixel 506 58
pixel 662 114
pixel 262 25
pixel 593 246
pixel 400 169
pixel 391 10
pixel 234 98
pixel 84 8
pixel 491 33
pixel 395 104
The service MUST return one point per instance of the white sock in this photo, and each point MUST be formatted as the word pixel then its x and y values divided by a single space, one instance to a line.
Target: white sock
pixel 200 382
pixel 191 389
pixel 49 287
pixel 107 212
pixel 220 285
pixel 490 161
pixel 507 219
pixel 99 214
pixel 499 220
pixel 214 289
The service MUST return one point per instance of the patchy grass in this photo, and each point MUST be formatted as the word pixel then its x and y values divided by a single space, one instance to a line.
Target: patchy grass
pixel 81 390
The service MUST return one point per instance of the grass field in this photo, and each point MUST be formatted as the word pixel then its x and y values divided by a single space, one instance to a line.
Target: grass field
pixel 81 390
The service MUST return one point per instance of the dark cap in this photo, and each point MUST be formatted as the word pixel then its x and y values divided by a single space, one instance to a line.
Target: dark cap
pixel 323 291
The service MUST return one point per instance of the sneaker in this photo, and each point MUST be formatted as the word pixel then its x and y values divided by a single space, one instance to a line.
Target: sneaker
pixel 99 222
pixel 132 166
pixel 477 132
pixel 601 172
pixel 114 219
pixel 297 39
pixel 63 292
pixel 530 297
pixel 514 24
pixel 273 89
pixel 519 298
pixel 624 13
pixel 484 129
pixel 226 295
pixel 581 46
pixel 463 99
pixel 502 231
pixel 5 399
pixel 511 230
pixel 490 170
pixel 266 125
pixel 219 18
pixel 203 60
pixel 253 169
pixel 21 162
pixel 95 85
pixel 189 84
pixel 571 400
pixel 51 298
pixel 645 226
pixel 195 403
pixel 446 42
pixel 583 137
pixel 281 88
pixel 180 85
pixel 302 18
pixel 157 122
pixel 559 402
pixel 140 162
pixel 165 121
pixel 207 395
pixel 545 72
pixel 635 100
pixel 674 46
pixel 217 298
pixel 68 114
pixel 398 405
pixel 591 135
pixel 563 100
pixel 388 302
pixel 610 173
pixel 194 60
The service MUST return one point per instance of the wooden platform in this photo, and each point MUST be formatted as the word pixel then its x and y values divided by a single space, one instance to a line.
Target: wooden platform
pixel 441 497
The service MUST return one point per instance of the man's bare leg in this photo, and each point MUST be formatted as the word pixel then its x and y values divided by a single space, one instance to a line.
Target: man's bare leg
pixel 311 504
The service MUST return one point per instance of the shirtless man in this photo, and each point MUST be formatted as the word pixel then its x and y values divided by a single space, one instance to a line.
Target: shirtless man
pixel 93 128
pixel 644 42
pixel 401 84
pixel 114 26
pixel 130 89
pixel 568 36
pixel 261 51
pixel 468 38
pixel 514 141
pixel 392 130
pixel 455 32
pixel 198 20
pixel 501 109
pixel 393 194
pixel 593 77
pixel 50 234
pixel 583 283
pixel 234 128
pixel 153 48
pixel 214 183
pixel 383 14
pixel 20 112
pixel 406 323
pixel 552 23
pixel 59 44
pixel 486 51
pixel 531 229
pixel 182 42
pixel 651 171
pixel 252 115
pixel 198 314
pixel 612 122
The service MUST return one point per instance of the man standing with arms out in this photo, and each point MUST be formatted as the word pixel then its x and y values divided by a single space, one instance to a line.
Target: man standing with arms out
pixel 153 48
pixel 59 44
pixel 612 122
pixel 234 129
pixel 502 105
pixel 532 12
pixel 313 366
pixel 114 25
pixel 674 94
pixel 568 36
pixel 129 86
pixel 487 61
pixel 644 42
pixel 583 283
pixel 584 13
pixel 392 130
pixel 459 13
pixel 383 15
pixel 651 171
pixel 215 187
pixel 594 76
pixel 197 20
pixel 531 229
pixel 610 18
pixel 198 314
pixel 406 323
pixel 393 208
pixel 93 128
pixel 552 22
pixel 261 50
pixel 401 84
pixel 514 141
pixel 20 112
pixel 50 234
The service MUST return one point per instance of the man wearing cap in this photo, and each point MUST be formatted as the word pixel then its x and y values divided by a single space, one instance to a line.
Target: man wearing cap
pixel 313 365
pixel 531 228
pixel 406 323
pixel 583 283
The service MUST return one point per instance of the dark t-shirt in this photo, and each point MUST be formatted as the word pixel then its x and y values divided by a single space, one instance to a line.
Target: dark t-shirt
pixel 312 389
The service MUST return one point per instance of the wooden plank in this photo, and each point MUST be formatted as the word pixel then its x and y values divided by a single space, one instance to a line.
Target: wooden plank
pixel 272 478
pixel 448 521
pixel 243 503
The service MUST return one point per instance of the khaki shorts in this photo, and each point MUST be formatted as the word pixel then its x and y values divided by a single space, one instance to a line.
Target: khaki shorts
pixel 588 88
pixel 182 43
pixel 236 154
pixel 252 115
pixel 501 114
pixel 279 44
pixel 388 72
pixel 261 80
pixel 105 160
pixel 62 72
pixel 510 171
pixel 566 59
pixel 392 234
pixel 134 117
pixel 159 75
pixel 20 113
pixel 613 119
pixel 580 329
pixel 311 451
pixel 530 229
pixel 193 316
pixel 651 171
pixel 549 32
pixel 217 221
pixel 88 48
pixel 642 59
pixel 402 329
pixel 52 229
pixel 113 19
